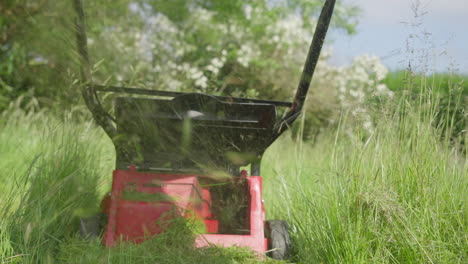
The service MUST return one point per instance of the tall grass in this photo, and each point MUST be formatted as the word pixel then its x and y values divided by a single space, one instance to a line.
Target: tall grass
pixel 396 195
pixel 55 171
pixel 51 172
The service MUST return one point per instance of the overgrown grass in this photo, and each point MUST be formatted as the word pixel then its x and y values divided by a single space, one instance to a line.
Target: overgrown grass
pixel 54 172
pixel 51 173
pixel 397 195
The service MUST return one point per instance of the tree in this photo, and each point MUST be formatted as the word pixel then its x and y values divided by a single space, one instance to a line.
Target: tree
pixel 15 16
pixel 233 47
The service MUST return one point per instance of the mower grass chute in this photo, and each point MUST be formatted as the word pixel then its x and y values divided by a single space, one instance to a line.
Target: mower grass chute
pixel 180 155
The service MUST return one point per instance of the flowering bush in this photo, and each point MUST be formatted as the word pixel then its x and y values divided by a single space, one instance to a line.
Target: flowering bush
pixel 260 54
pixel 360 82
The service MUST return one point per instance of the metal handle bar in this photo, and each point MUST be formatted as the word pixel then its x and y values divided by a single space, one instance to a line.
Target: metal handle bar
pixel 309 68
pixel 140 91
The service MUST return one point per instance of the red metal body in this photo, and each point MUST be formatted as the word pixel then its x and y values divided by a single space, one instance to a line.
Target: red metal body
pixel 133 217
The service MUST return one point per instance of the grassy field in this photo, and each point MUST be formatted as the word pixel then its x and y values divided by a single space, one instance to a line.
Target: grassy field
pixel 396 195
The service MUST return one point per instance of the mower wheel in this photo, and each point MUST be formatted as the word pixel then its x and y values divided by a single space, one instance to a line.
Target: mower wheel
pixel 91 227
pixel 279 245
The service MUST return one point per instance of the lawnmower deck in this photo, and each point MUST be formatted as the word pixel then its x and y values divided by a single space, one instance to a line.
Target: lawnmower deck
pixel 141 204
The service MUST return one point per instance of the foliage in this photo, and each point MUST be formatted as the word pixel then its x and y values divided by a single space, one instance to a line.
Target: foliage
pixel 237 48
pixel 15 17
pixel 441 83
pixel 449 90
pixel 398 196
pixel 354 90
pixel 383 183
pixel 257 55
pixel 222 47
pixel 229 47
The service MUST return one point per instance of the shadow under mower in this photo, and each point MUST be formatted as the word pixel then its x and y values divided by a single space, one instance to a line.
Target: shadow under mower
pixel 180 155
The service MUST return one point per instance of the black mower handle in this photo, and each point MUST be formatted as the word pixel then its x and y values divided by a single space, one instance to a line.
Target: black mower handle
pixel 88 91
pixel 309 68
pixel 151 92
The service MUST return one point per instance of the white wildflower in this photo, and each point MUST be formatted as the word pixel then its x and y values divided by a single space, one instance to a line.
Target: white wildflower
pixel 216 62
pixel 202 82
pixel 380 71
pixel 203 15
pixel 245 55
pixel 212 69
pixel 174 85
pixel 381 88
pixel 185 67
pixel 276 38
pixel 195 74
pixel 179 52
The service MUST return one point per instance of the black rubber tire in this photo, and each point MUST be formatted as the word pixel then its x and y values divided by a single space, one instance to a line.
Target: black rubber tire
pixel 92 227
pixel 279 246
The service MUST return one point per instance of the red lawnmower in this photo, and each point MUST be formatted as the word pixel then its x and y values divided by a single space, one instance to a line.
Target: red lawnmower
pixel 180 155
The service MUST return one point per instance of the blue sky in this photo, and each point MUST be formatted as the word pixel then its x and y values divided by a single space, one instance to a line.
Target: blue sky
pixel 387 29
